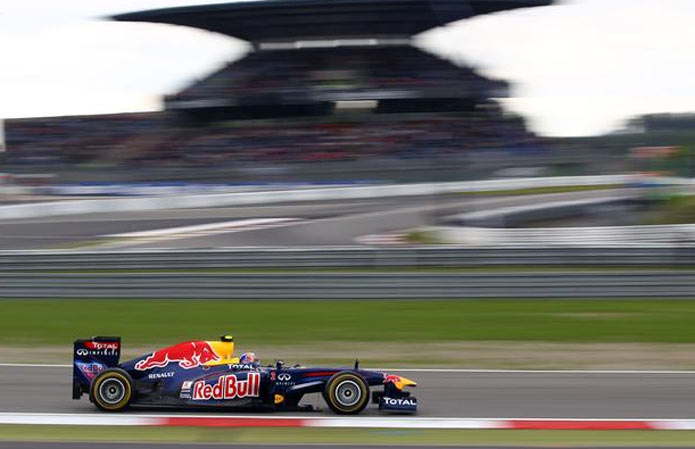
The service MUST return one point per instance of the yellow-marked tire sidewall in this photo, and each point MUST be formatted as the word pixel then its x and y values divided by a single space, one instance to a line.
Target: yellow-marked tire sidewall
pixel 330 390
pixel 112 374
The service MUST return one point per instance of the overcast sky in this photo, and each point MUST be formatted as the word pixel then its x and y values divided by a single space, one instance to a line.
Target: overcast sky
pixel 580 67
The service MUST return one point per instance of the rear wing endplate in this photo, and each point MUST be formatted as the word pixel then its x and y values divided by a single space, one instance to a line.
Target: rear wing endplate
pixel 90 357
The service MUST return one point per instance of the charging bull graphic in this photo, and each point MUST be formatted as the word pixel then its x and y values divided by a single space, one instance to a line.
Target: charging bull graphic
pixel 189 355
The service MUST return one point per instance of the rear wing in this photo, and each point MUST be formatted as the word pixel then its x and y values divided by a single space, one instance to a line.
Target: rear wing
pixel 89 358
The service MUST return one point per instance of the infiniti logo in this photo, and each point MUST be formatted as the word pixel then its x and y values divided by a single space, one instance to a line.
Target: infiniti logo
pixel 107 352
pixel 284 377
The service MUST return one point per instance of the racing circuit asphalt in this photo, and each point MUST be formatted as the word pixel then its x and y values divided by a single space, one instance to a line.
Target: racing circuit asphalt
pixel 445 393
pixel 323 222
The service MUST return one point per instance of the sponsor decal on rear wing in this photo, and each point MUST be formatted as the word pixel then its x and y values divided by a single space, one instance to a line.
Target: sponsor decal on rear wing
pixel 90 357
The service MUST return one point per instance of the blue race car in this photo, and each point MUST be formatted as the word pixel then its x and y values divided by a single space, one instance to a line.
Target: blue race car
pixel 206 373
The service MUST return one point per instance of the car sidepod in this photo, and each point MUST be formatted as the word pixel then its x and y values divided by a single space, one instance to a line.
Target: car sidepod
pixel 231 385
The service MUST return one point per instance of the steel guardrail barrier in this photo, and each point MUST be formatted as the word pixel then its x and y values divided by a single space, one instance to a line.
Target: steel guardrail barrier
pixel 327 286
pixel 661 255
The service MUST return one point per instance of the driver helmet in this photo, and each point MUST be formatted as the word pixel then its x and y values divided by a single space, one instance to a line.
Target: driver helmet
pixel 248 357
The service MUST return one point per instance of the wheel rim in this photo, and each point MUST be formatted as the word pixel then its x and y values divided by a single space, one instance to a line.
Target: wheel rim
pixel 112 391
pixel 348 393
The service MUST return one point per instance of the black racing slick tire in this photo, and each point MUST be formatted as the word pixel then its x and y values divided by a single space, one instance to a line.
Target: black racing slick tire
pixel 346 393
pixel 112 390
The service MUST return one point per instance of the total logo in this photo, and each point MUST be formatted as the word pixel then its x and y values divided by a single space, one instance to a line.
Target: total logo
pixel 245 366
pixel 227 387
pixel 400 401
pixel 101 345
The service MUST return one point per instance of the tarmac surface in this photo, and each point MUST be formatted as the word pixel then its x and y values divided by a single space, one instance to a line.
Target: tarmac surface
pixel 443 393
pixel 322 222
pixel 66 231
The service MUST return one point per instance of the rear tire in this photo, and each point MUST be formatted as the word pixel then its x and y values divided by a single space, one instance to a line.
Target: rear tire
pixel 112 390
pixel 346 393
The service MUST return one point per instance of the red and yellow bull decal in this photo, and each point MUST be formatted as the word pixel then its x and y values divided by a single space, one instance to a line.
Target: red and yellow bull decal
pixel 399 381
pixel 227 387
pixel 189 355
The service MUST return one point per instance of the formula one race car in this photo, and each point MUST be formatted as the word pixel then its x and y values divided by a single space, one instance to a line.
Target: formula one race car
pixel 206 373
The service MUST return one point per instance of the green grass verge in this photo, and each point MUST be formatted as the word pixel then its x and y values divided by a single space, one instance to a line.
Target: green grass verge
pixel 544 190
pixel 185 435
pixel 59 322
pixel 678 209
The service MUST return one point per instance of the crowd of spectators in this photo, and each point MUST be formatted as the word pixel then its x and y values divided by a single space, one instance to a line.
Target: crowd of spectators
pixel 432 138
pixel 151 140
pixel 76 139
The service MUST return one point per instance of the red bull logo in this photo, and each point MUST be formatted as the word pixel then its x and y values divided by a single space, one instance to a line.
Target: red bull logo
pixel 227 387
pixel 398 381
pixel 90 370
pixel 390 378
pixel 189 355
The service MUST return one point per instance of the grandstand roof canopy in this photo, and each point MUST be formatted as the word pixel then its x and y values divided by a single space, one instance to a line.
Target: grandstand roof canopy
pixel 291 20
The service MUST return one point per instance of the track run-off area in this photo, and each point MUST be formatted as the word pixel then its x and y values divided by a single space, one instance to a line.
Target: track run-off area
pixel 447 398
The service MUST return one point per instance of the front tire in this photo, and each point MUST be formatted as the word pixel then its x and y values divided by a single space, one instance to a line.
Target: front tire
pixel 346 393
pixel 112 390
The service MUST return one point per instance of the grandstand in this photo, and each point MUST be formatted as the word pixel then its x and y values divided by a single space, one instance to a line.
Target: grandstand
pixel 320 75
pixel 283 102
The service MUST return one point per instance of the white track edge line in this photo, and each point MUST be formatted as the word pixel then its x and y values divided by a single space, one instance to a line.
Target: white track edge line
pixel 333 422
pixel 333 418
pixel 33 365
